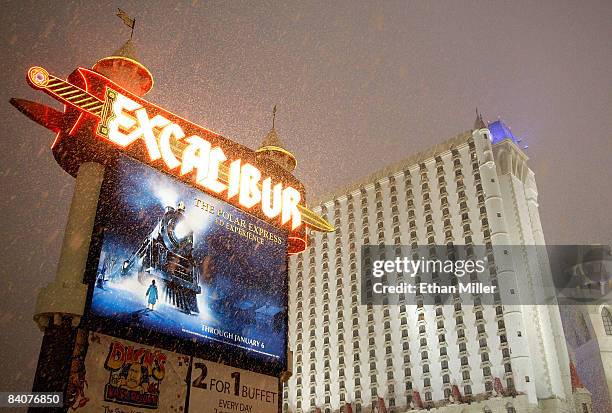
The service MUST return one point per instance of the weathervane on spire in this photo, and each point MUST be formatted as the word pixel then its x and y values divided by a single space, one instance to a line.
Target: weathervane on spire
pixel 127 20
pixel 273 116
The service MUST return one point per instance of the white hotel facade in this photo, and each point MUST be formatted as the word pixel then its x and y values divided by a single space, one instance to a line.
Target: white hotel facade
pixel 476 189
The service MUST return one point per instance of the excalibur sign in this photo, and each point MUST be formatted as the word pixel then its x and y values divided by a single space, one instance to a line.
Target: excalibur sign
pixel 179 234
pixel 172 284
pixel 122 118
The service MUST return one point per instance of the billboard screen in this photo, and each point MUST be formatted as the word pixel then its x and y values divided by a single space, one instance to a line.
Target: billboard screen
pixel 178 262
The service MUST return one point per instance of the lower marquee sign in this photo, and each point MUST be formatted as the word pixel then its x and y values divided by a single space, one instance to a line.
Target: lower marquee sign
pixel 217 388
pixel 111 375
pixel 121 376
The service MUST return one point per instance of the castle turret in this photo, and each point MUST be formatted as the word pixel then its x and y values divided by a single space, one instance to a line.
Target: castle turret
pixel 479 123
pixel 123 68
pixel 272 148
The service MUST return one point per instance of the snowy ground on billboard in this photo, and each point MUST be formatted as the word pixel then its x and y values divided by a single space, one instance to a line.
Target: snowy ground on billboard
pixel 126 307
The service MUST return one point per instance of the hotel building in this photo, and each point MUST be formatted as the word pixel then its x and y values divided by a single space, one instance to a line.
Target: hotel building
pixel 474 189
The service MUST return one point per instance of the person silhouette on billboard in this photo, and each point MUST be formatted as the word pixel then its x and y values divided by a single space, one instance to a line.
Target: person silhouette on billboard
pixel 152 294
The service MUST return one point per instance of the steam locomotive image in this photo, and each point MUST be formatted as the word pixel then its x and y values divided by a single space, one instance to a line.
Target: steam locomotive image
pixel 166 255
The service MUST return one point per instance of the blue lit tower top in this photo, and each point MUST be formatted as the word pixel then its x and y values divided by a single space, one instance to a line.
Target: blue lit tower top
pixel 499 132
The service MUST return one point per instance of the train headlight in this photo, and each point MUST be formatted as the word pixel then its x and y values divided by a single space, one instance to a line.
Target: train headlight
pixel 182 229
pixel 180 234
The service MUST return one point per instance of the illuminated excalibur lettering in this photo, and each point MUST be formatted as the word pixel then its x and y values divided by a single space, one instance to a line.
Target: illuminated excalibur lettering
pixel 249 192
pixel 196 155
pixel 199 155
pixel 164 144
pixel 271 203
pixel 291 199
pixel 211 181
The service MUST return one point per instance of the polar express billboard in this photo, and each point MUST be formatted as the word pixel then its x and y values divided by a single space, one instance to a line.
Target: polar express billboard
pixel 178 263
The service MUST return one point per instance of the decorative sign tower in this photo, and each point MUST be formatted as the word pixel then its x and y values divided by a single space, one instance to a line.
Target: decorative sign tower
pixel 162 298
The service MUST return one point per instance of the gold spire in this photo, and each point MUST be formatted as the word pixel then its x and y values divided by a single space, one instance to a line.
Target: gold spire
pixel 272 148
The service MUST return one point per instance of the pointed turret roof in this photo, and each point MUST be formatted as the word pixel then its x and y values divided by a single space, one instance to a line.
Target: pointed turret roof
pixel 479 123
pixel 271 139
pixel 273 148
pixel 127 50
pixel 123 68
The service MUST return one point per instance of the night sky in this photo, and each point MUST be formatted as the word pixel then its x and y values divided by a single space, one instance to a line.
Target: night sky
pixel 358 86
